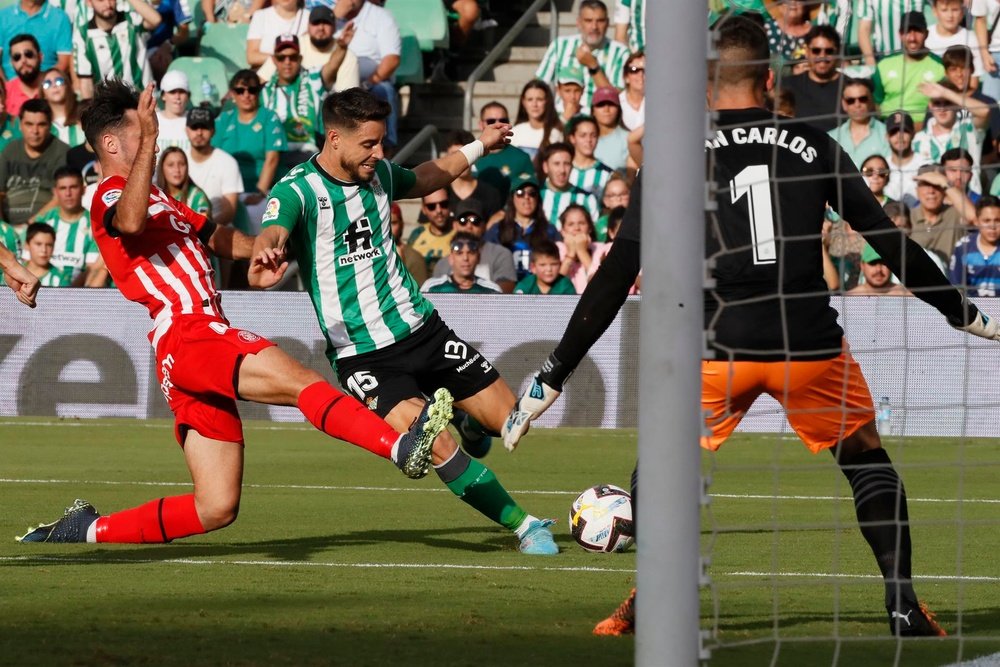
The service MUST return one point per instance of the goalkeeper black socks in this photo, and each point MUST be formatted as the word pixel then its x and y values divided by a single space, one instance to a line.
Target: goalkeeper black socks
pixel 880 504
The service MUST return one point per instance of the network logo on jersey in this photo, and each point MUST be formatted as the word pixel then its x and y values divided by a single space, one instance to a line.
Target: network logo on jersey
pixel 358 239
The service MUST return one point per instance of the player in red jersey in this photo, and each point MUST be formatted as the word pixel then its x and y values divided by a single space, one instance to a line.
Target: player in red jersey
pixel 156 249
pixel 18 278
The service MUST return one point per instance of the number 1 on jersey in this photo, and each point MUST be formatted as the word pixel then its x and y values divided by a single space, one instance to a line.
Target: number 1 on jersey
pixel 755 182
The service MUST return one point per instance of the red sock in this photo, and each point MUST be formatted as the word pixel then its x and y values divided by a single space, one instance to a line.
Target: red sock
pixel 342 416
pixel 157 521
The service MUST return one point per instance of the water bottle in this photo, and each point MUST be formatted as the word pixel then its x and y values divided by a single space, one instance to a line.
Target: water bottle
pixel 207 90
pixel 883 416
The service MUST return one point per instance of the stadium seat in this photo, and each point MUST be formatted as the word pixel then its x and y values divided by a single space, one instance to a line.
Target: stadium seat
pixel 4 4
pixel 228 43
pixel 411 61
pixel 196 68
pixel 427 20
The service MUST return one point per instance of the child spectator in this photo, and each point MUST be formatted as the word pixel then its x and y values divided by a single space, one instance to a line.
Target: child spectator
pixel 975 264
pixel 524 224
pixel 557 192
pixel 75 257
pixel 955 121
pixel 57 90
pixel 588 173
pixel 577 251
pixel 40 241
pixel 948 31
pixel 462 279
pixel 545 277
pixel 569 87
pixel 175 180
pixel 537 124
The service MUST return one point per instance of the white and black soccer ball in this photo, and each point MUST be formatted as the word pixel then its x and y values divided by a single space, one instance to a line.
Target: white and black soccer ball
pixel 601 519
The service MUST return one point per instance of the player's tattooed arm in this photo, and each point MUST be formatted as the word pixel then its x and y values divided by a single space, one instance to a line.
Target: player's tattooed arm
pixel 267 263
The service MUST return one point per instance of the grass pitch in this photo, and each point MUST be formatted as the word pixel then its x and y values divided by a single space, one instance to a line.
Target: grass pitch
pixel 337 559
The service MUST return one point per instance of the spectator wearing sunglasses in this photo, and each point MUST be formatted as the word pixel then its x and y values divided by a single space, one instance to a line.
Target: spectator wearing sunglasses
pixel 862 134
pixel 47 23
pixel 500 166
pixel 524 224
pixel 462 276
pixel 27 84
pixel 57 91
pixel 633 97
pixel 817 90
pixel 496 263
pixel 255 137
pixel 468 188
pixel 433 238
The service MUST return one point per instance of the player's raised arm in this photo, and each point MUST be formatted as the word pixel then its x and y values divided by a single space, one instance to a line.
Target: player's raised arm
pixel 131 210
pixel 436 174
pixel 18 278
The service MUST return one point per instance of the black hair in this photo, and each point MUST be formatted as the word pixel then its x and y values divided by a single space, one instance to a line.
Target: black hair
pixel 36 228
pixel 826 32
pixel 867 83
pixel 36 105
pixel 494 104
pixel 66 171
pixel 894 209
pixel 25 37
pixel 546 248
pixel 106 111
pixel 244 76
pixel 545 153
pixel 349 108
pixel 591 229
pixel 458 138
pixel 743 53
pixel 987 201
pixel 467 237
pixel 957 56
pixel 579 120
pixel 957 154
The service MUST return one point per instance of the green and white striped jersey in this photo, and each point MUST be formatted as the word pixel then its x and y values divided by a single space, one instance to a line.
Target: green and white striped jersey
pixel 364 297
pixel 196 200
pixel 555 202
pixel 120 53
pixel 636 12
pixel 562 53
pixel 592 179
pixel 75 247
pixel 298 105
pixel 10 239
pixel 886 17
pixel 71 135
pixel 54 278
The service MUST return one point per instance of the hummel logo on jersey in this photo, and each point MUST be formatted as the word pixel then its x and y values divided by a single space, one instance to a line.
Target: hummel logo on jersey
pixel 905 617
pixel 324 203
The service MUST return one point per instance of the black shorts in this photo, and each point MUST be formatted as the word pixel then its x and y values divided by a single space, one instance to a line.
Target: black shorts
pixel 415 367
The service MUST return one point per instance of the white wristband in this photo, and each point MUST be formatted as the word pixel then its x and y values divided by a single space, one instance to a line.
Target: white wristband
pixel 473 151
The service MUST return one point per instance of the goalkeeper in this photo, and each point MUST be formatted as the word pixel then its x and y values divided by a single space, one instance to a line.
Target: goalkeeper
pixel 774 329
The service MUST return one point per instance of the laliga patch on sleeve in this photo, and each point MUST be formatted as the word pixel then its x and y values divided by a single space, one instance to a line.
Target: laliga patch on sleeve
pixel 271 212
pixel 110 197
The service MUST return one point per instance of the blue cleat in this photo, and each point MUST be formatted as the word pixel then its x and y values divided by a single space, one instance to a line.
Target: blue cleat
pixel 413 454
pixel 538 540
pixel 72 527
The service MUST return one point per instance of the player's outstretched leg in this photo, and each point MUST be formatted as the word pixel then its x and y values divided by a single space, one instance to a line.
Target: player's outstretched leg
pixel 880 504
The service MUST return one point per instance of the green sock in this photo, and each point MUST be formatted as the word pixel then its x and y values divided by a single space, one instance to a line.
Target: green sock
pixel 476 484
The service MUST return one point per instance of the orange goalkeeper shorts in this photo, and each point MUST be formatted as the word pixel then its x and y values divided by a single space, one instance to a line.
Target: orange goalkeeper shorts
pixel 825 401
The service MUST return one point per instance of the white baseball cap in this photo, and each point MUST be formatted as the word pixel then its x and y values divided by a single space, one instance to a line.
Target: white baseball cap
pixel 174 80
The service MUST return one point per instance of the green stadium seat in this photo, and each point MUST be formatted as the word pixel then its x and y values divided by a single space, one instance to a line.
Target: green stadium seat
pixel 4 4
pixel 226 42
pixel 199 67
pixel 411 60
pixel 427 19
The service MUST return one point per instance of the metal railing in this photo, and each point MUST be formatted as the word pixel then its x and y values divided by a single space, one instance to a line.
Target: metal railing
pixel 502 46
pixel 426 133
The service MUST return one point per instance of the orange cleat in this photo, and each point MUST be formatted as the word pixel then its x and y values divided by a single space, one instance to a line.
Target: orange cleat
pixel 622 622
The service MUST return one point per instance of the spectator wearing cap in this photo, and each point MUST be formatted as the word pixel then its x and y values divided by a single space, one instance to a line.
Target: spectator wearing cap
pixel 880 26
pixel 113 44
pixel 862 134
pixel 557 192
pixel 935 225
pixel 500 166
pixel 175 91
pixel 496 263
pixel 903 162
pixel 878 279
pixel 633 98
pixel 27 166
pixel 320 47
pixel 602 59
pixel 47 24
pixel 462 277
pixel 254 136
pixel 612 142
pixel 296 96
pixel 898 77
pixel 9 129
pixel 955 121
pixel 524 224
pixel 467 187
pixel 377 45
pixel 213 169
pixel 412 260
pixel 569 88
pixel 975 263
pixel 817 90
pixel 432 239
pixel 27 85
pixel 283 17
pixel 588 172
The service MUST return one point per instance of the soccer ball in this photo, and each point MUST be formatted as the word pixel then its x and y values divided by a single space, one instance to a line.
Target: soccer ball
pixel 601 519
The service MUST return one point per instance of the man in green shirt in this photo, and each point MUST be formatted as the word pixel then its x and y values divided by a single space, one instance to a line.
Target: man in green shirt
pixel 384 338
pixel 503 164
pixel 462 279
pixel 898 78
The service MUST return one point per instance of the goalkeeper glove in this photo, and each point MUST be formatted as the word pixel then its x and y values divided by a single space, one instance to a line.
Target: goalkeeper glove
pixel 982 326
pixel 543 391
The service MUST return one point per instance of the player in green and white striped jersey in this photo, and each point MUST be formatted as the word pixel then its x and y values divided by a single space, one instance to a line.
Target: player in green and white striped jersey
pixel 384 338
pixel 112 45
pixel 557 192
pixel 602 59
pixel 630 24
pixel 879 24
pixel 588 173
pixel 75 258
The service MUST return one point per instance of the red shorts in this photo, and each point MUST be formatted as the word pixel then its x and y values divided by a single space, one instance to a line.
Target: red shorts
pixel 197 361
pixel 825 401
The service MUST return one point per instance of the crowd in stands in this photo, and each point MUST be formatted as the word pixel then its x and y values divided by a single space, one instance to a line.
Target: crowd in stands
pixel 548 200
